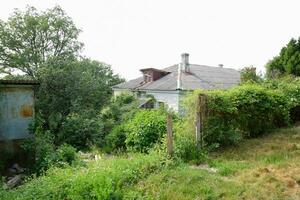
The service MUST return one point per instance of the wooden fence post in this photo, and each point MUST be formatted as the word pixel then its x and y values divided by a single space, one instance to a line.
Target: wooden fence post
pixel 198 123
pixel 170 135
pixel 200 115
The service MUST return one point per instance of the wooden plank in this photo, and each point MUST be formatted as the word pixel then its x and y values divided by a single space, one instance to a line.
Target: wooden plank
pixel 170 135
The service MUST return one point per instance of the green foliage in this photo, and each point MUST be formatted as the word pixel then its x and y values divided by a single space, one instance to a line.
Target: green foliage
pixel 73 90
pixel 145 129
pixel 115 140
pixel 104 179
pixel 287 62
pixel 185 147
pixel 66 154
pixel 246 111
pixel 70 98
pixel 80 131
pixel 248 74
pixel 119 110
pixel 46 154
pixel 289 86
pixel 71 85
pixel 30 37
pixel 114 117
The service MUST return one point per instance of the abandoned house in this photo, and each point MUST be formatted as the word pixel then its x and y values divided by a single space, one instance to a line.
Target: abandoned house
pixel 16 109
pixel 169 85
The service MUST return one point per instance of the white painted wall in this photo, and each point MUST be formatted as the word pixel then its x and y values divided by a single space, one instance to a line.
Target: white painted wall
pixel 119 92
pixel 170 98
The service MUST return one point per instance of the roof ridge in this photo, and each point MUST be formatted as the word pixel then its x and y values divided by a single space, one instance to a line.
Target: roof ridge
pixel 215 67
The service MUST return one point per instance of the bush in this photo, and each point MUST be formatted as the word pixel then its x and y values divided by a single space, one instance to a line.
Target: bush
pixel 66 154
pixel 145 129
pixel 115 140
pixel 121 109
pixel 249 110
pixel 185 147
pixel 81 130
pixel 46 154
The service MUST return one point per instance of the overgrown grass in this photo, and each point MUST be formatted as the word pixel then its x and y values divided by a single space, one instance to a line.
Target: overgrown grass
pixel 261 168
pixel 101 179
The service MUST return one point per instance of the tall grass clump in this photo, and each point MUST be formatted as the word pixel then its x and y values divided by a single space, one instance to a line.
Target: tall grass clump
pixel 102 179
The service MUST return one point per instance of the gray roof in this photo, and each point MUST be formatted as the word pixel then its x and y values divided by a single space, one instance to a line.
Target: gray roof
pixel 18 82
pixel 200 77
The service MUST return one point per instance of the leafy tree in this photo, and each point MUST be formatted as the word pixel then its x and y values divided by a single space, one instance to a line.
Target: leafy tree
pixel 29 38
pixel 248 74
pixel 288 61
pixel 71 93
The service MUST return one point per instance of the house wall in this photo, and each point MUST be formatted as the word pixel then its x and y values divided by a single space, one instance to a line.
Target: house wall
pixel 173 99
pixel 119 92
pixel 16 111
pixel 170 98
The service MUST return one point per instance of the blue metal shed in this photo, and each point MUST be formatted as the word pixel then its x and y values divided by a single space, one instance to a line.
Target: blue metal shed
pixel 16 108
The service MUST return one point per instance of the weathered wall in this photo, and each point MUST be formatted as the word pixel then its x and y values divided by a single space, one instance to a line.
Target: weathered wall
pixel 173 99
pixel 170 98
pixel 16 111
pixel 121 91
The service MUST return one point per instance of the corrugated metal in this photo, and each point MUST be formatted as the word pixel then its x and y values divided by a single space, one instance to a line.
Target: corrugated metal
pixel 16 110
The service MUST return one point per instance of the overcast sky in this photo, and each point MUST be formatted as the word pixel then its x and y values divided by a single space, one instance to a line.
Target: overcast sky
pixel 135 34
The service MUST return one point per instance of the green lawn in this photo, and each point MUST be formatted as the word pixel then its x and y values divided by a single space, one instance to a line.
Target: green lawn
pixel 262 168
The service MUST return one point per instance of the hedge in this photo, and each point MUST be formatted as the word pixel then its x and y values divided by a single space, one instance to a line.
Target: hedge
pixel 248 110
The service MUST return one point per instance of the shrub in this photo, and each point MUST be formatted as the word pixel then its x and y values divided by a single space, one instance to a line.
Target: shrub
pixel 81 130
pixel 185 147
pixel 245 111
pixel 121 109
pixel 46 154
pixel 145 129
pixel 66 154
pixel 115 140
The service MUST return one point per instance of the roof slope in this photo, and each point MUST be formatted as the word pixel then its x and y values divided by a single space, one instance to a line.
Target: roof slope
pixel 200 77
pixel 18 82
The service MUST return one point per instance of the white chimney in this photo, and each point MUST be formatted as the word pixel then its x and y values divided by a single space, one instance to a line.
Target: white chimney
pixel 179 83
pixel 185 62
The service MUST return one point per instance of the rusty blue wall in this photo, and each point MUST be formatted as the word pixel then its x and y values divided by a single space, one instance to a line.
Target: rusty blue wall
pixel 16 111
